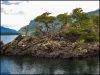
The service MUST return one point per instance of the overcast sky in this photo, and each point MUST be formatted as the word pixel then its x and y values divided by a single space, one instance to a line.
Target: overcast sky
pixel 16 14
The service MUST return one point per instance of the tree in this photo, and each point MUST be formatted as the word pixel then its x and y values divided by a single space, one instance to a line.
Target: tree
pixel 78 16
pixel 38 28
pixel 46 19
pixel 83 25
pixel 96 20
pixel 63 18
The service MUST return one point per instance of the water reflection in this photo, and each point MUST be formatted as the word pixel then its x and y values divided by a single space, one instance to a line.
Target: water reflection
pixel 30 65
pixel 4 68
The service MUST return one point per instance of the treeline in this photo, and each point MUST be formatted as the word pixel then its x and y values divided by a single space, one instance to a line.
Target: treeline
pixel 76 23
pixel 9 33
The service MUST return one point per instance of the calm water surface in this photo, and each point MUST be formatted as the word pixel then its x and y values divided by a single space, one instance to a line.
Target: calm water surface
pixel 31 65
pixel 8 38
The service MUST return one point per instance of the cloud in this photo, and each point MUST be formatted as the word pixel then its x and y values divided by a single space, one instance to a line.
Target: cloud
pixel 5 2
pixel 20 12
pixel 3 11
pixel 11 12
pixel 11 2
pixel 10 8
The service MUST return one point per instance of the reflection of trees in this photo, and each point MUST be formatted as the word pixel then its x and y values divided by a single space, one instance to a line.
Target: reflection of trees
pixel 4 67
pixel 71 66
pixel 28 65
pixel 92 65
pixel 16 64
pixel 84 66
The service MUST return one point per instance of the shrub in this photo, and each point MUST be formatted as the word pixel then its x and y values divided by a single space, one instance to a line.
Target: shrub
pixel 80 43
pixel 91 36
pixel 37 33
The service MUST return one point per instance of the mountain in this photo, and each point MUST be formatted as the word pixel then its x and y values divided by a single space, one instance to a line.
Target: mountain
pixel 5 30
pixel 32 22
pixel 94 13
pixel 30 27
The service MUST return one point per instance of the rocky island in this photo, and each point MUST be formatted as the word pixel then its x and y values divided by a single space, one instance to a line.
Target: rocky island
pixel 49 48
pixel 77 36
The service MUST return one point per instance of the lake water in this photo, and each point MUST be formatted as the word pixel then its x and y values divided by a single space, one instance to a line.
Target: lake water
pixel 32 65
pixel 8 38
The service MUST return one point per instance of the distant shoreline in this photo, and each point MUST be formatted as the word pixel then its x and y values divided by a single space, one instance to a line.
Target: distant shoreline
pixel 9 33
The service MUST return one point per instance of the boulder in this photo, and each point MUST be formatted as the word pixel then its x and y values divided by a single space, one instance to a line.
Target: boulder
pixel 1 44
pixel 1 47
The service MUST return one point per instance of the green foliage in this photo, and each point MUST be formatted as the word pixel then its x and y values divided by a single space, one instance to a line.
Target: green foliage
pixel 80 44
pixel 82 49
pixel 63 18
pixel 37 33
pixel 96 22
pixel 37 27
pixel 38 30
pixel 90 31
pixel 77 22
pixel 83 25
pixel 78 16
pixel 91 36
pixel 45 18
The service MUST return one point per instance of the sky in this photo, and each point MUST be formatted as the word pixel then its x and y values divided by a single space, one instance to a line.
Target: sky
pixel 16 14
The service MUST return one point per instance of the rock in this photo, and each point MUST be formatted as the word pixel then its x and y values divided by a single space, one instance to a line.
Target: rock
pixel 19 38
pixel 1 44
pixel 1 47
pixel 25 41
pixel 47 48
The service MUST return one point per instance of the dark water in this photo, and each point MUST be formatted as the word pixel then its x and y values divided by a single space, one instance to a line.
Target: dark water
pixel 30 65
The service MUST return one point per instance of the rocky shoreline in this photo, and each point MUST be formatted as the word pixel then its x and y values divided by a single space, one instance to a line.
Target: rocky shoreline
pixel 45 47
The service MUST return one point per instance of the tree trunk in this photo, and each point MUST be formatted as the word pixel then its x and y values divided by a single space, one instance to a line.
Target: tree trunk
pixel 47 27
pixel 42 32
pixel 26 30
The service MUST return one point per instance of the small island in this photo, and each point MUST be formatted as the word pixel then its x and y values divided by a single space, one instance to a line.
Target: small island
pixel 61 36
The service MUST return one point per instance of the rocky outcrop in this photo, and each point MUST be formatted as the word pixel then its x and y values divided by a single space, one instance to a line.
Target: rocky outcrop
pixel 1 47
pixel 46 47
pixel 1 44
